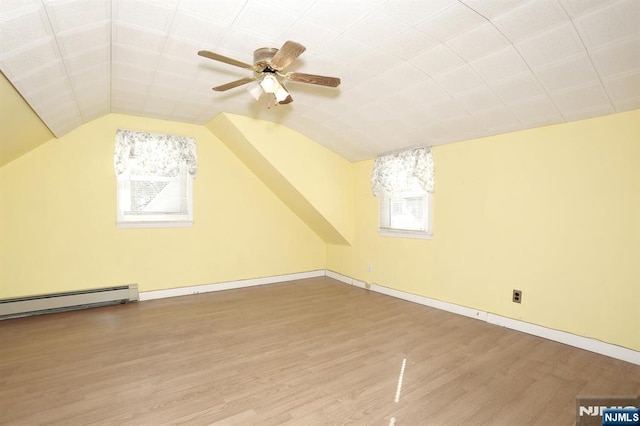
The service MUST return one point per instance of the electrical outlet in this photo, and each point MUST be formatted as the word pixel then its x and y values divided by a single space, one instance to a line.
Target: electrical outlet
pixel 517 296
pixel 369 267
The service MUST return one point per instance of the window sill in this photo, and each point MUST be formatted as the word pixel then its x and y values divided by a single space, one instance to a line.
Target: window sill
pixel 159 224
pixel 398 233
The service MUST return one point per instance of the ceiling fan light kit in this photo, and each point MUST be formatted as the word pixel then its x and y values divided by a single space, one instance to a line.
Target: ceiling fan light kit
pixel 268 77
pixel 269 84
pixel 255 90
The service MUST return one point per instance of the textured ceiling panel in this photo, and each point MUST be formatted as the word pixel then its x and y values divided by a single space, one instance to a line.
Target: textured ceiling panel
pixel 27 59
pixel 492 9
pixel 85 38
pixel 459 80
pixel 34 81
pixel 88 59
pixel 251 19
pixel 414 11
pixel 413 72
pixel 128 35
pixel 478 42
pixel 437 60
pixel 519 88
pixel 540 110
pixel 530 18
pixel 69 15
pixel 576 70
pixel 408 44
pixel 451 22
pixel 376 28
pixel 337 15
pixel 625 87
pixel 550 46
pixel 479 99
pixel 618 58
pixel 497 119
pixel 23 26
pixel 501 65
pixel 611 23
pixel 584 97
pixel 576 8
pixel 152 15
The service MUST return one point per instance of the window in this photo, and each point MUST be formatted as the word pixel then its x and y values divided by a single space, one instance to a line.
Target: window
pixel 402 183
pixel 405 214
pixel 154 179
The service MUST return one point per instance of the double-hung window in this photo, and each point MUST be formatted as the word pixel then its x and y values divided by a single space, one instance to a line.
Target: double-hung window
pixel 155 175
pixel 403 183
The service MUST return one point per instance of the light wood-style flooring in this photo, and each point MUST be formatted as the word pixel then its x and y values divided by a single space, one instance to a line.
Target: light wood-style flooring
pixel 309 352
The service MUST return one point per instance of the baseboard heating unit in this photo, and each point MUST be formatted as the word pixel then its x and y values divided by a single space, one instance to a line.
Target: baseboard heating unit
pixel 72 300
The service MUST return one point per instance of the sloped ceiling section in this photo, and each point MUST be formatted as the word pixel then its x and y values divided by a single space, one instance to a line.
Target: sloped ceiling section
pixel 413 72
pixel 284 187
pixel 21 130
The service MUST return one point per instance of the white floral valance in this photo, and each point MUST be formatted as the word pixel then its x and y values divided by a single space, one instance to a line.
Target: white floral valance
pixel 399 172
pixel 155 153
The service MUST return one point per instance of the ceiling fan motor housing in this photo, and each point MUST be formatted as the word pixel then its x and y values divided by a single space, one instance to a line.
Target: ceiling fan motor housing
pixel 262 58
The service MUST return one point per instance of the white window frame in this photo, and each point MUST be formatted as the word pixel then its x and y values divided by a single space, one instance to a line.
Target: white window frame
pixel 386 229
pixel 156 219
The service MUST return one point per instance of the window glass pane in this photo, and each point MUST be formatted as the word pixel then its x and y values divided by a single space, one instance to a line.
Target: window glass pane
pixel 143 193
pixel 145 198
pixel 405 212
pixel 152 196
pixel 408 212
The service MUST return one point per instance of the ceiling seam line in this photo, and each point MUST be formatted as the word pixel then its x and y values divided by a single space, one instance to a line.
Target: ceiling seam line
pixel 535 76
pixel 233 21
pixel 64 65
pixel 491 89
pixel 444 43
pixel 586 51
pixel 164 48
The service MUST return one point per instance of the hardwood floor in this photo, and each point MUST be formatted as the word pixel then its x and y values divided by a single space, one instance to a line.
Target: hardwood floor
pixel 308 352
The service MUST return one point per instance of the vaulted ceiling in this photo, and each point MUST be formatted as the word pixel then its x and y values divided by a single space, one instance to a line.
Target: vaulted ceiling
pixel 414 72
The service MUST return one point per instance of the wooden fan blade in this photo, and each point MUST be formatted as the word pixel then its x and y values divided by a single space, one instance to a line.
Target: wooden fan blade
pixel 218 57
pixel 233 84
pixel 314 79
pixel 288 53
pixel 288 99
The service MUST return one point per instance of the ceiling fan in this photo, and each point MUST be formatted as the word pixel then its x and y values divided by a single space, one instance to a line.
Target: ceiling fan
pixel 268 72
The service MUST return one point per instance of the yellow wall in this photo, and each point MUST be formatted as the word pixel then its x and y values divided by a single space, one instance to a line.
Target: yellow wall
pixel 58 210
pixel 21 130
pixel 323 177
pixel 553 211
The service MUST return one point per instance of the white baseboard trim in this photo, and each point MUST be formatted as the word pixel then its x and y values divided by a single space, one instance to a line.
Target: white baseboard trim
pixel 228 285
pixel 586 343
pixel 438 304
pixel 422 300
pixel 345 279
